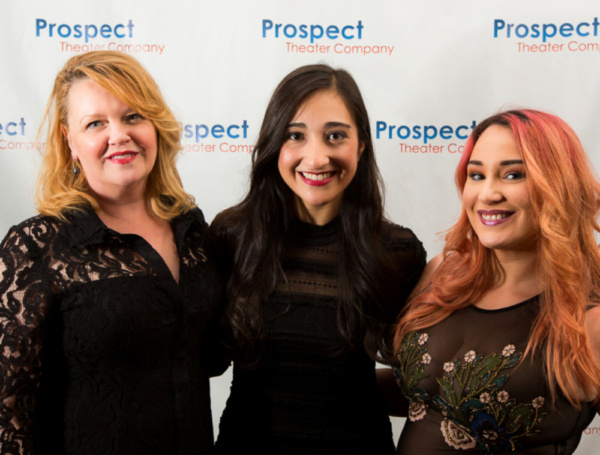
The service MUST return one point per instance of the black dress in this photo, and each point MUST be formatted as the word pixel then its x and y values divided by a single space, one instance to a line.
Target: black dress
pixel 103 352
pixel 471 390
pixel 307 395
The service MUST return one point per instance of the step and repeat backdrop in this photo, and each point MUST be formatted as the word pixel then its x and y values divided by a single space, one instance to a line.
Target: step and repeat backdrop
pixel 429 71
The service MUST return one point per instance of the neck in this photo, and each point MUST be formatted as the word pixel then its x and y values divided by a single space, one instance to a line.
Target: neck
pixel 317 215
pixel 517 283
pixel 518 266
pixel 126 216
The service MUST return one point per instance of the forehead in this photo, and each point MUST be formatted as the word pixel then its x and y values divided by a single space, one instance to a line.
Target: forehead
pixel 323 104
pixel 86 95
pixel 496 143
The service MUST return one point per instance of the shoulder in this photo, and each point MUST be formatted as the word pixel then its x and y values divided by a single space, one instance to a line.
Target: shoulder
pixel 228 226
pixel 399 235
pixel 37 230
pixel 399 240
pixel 195 217
pixel 431 267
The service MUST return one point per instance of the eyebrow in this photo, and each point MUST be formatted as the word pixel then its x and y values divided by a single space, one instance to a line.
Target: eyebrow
pixel 327 125
pixel 502 163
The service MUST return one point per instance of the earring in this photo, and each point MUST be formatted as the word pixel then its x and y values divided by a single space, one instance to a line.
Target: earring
pixel 75 168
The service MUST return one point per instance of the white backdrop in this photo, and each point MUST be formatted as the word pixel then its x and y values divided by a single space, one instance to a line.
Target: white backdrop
pixel 428 70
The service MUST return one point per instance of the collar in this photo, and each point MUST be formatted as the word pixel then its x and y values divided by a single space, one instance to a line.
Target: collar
pixel 85 228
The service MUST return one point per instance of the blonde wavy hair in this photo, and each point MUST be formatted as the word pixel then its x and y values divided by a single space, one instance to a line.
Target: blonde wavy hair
pixel 565 197
pixel 59 189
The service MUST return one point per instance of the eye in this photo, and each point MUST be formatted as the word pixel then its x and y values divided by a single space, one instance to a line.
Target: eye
pixel 294 136
pixel 515 175
pixel 94 124
pixel 134 117
pixel 474 175
pixel 336 136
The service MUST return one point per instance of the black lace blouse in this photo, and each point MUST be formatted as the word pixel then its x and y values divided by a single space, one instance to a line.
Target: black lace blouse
pixel 102 351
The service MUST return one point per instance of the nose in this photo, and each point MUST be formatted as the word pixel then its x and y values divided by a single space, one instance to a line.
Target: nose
pixel 119 134
pixel 491 191
pixel 317 155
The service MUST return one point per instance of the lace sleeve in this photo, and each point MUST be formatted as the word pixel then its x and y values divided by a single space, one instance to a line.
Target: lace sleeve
pixel 22 308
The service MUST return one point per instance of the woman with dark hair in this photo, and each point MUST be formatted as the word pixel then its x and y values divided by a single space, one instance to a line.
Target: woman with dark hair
pixel 316 275
pixel 499 349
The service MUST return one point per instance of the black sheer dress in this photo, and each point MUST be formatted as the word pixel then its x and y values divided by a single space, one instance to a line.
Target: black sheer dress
pixel 472 391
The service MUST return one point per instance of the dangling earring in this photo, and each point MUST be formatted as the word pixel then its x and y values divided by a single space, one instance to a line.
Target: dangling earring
pixel 75 168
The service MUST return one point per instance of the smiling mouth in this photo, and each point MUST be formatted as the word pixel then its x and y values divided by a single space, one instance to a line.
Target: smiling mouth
pixel 495 216
pixel 122 156
pixel 317 177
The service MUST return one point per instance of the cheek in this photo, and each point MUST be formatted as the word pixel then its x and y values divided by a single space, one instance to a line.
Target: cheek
pixel 286 162
pixel 467 197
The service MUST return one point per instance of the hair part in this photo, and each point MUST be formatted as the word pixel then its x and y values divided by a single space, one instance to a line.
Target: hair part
pixel 565 199
pixel 59 189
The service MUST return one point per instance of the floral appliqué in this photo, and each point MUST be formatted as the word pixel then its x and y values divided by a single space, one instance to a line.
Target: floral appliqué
pixel 477 412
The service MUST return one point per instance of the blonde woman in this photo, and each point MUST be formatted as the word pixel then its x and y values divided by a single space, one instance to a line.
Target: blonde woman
pixel 109 296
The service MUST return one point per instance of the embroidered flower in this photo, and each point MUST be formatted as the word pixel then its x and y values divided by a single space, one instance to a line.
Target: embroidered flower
pixel 449 367
pixel 423 337
pixel 508 350
pixel 426 359
pixel 457 436
pixel 485 398
pixel 470 356
pixel 502 396
pixel 416 410
pixel 489 433
pixel 538 402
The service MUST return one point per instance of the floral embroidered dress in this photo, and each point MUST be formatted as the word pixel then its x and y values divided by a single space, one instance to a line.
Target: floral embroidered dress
pixel 472 391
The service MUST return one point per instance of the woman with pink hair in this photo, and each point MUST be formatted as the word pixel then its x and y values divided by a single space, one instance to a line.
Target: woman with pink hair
pixel 498 350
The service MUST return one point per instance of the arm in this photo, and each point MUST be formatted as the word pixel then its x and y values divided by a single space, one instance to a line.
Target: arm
pixel 22 307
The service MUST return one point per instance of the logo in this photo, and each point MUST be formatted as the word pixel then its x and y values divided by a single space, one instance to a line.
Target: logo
pixel 322 39
pixel 10 131
pixel 202 138
pixel 93 37
pixel 423 135
pixel 548 37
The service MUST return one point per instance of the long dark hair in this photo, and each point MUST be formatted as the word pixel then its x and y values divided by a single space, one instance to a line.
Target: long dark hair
pixel 255 230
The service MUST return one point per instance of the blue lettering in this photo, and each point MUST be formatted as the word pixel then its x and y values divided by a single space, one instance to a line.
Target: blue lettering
pixel 425 132
pixel 88 31
pixel 11 128
pixel 39 24
pixel 217 131
pixel 498 25
pixel 289 34
pixel 525 31
pixel 313 32
pixel 579 32
pixel 63 33
pixel 93 34
pixel 545 31
pixel 267 25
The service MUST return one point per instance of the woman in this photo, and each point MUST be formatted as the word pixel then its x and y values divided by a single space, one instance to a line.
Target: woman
pixel 109 297
pixel 499 350
pixel 316 275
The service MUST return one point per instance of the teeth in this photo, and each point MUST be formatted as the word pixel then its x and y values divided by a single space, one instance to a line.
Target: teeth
pixel 496 217
pixel 120 157
pixel 316 177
